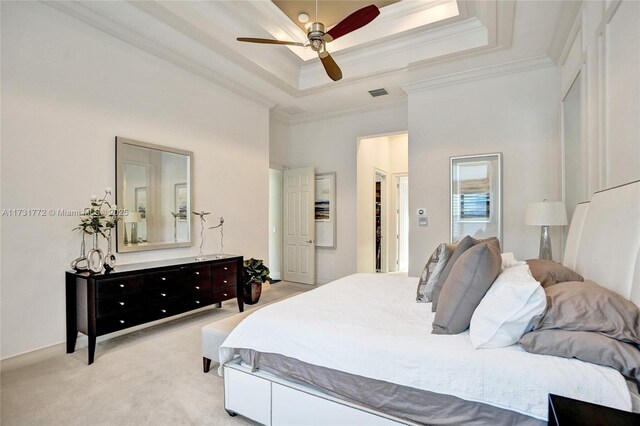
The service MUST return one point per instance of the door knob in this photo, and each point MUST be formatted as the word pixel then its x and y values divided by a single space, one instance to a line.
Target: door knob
pixel 309 241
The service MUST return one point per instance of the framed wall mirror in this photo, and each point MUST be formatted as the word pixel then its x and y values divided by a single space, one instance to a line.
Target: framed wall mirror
pixel 476 196
pixel 153 184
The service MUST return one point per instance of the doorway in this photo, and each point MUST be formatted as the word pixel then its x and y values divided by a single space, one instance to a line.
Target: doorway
pixel 380 206
pixel 382 244
pixel 402 220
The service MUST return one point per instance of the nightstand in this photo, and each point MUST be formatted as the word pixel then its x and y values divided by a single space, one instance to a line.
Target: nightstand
pixel 565 411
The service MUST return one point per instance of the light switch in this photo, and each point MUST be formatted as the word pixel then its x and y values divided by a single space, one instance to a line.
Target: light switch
pixel 422 217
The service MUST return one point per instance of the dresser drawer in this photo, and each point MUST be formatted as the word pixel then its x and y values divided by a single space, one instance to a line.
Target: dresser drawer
pixel 198 272
pixel 163 310
pixel 164 278
pixel 225 293
pixel 118 305
pixel 162 294
pixel 226 280
pixel 196 302
pixel 197 287
pixel 113 287
pixel 222 268
pixel 118 322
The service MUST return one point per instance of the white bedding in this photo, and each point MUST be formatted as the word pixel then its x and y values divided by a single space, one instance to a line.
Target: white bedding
pixel 370 325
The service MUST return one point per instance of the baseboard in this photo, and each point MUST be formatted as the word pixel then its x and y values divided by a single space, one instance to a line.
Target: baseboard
pixel 32 357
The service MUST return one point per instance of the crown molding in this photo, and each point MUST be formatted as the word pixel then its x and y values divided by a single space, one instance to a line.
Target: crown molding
pixel 566 31
pixel 378 105
pixel 482 73
pixel 100 22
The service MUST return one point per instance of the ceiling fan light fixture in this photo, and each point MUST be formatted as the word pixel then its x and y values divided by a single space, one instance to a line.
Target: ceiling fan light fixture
pixel 317 37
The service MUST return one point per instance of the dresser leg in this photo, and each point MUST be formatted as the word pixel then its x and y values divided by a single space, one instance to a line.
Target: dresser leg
pixel 72 335
pixel 92 349
pixel 240 304
pixel 219 304
pixel 206 364
pixel 72 327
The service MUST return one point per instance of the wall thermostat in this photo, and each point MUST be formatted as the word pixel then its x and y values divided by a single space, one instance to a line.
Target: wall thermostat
pixel 422 217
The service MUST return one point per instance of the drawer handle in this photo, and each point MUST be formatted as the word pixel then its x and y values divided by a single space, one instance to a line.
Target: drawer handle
pixel 163 294
pixel 197 288
pixel 121 321
pixel 121 303
pixel 224 294
pixel 225 268
pixel 121 285
pixel 163 279
pixel 224 281
pixel 197 302
pixel 197 273
pixel 164 311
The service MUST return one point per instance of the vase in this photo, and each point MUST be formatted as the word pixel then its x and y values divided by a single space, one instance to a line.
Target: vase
pixel 109 258
pixel 252 292
pixel 80 263
pixel 95 257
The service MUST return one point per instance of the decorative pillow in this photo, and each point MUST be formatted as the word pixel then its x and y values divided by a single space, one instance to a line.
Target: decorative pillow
pixel 549 273
pixel 466 285
pixel 504 313
pixel 586 306
pixel 509 261
pixel 585 346
pixel 465 244
pixel 432 270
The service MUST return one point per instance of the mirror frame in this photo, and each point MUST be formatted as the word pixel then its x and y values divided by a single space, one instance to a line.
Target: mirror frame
pixel 496 173
pixel 120 142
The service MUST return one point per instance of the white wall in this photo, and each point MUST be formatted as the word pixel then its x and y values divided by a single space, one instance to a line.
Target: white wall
pixel 605 49
pixel 329 145
pixel 67 91
pixel 516 114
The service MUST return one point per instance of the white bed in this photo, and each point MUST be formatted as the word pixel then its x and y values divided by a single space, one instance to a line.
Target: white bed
pixel 370 325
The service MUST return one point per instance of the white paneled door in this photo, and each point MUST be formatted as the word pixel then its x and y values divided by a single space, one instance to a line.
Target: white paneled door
pixel 299 225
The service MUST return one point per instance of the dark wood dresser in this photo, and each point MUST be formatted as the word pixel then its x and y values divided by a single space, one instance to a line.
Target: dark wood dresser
pixel 130 295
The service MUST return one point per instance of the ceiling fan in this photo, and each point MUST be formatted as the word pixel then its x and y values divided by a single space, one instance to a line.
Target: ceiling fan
pixel 318 38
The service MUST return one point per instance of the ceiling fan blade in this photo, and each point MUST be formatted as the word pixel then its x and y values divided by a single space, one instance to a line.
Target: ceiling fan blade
pixel 333 70
pixel 357 19
pixel 269 41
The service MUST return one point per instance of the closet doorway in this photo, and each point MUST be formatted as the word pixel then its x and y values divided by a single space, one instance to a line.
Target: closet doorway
pixel 382 203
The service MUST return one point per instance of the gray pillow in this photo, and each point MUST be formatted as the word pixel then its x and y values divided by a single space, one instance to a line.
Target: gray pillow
pixel 465 244
pixel 548 272
pixel 585 346
pixel 586 306
pixel 470 278
pixel 432 270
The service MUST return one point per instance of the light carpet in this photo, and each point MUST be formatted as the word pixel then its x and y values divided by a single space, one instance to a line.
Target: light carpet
pixel 152 376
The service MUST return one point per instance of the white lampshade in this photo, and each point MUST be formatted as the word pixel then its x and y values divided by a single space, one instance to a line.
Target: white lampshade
pixel 546 213
pixel 133 217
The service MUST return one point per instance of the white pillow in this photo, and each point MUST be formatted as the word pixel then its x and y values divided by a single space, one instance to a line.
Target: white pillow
pixel 503 315
pixel 509 261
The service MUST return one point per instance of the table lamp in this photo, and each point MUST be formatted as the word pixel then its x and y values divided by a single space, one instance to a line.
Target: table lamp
pixel 132 218
pixel 545 214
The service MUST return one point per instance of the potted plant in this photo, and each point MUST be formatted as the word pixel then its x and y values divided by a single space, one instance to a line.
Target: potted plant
pixel 255 274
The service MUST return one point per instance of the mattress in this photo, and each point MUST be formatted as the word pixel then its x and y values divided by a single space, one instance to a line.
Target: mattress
pixel 369 325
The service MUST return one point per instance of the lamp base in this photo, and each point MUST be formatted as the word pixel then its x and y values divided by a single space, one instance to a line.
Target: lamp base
pixel 545 244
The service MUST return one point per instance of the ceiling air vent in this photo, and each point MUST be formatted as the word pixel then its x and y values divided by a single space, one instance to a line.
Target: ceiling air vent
pixel 378 92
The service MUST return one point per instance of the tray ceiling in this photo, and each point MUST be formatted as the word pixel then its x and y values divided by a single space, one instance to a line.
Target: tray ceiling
pixel 406 44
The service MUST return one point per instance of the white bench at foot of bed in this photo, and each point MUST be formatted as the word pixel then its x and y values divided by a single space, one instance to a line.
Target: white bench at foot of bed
pixel 272 400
